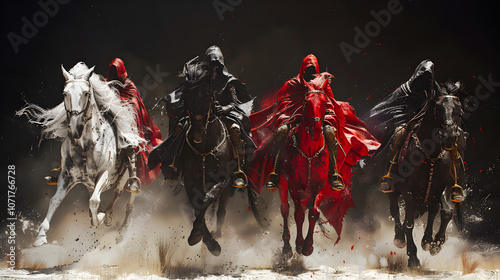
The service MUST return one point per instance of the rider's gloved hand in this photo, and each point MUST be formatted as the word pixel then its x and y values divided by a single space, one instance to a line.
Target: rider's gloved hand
pixel 223 110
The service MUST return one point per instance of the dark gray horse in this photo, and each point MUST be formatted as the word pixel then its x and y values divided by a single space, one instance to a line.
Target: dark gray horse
pixel 206 160
pixel 431 165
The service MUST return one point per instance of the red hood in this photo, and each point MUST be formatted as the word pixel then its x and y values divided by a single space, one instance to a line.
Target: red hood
pixel 308 61
pixel 321 81
pixel 120 69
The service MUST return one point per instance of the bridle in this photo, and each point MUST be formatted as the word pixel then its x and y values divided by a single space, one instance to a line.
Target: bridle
pixel 207 115
pixel 447 123
pixel 70 113
pixel 304 108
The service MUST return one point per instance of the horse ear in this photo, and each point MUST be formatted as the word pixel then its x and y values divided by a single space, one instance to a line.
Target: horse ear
pixel 87 74
pixel 66 74
pixel 458 85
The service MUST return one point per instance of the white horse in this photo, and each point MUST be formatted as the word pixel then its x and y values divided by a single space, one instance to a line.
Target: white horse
pixel 94 125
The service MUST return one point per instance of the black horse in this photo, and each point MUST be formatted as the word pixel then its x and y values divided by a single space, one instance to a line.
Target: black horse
pixel 427 172
pixel 206 161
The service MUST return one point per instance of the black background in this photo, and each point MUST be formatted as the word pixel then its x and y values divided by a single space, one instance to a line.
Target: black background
pixel 264 43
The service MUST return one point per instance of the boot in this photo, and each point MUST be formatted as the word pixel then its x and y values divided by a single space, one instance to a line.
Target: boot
pixel 133 183
pixel 272 178
pixel 53 176
pixel 240 179
pixel 279 138
pixel 386 183
pixel 170 172
pixel 336 181
pixel 457 193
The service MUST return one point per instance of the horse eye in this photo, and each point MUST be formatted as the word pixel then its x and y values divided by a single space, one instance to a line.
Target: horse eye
pixel 86 93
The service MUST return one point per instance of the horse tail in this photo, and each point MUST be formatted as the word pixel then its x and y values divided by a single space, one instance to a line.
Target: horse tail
pixel 255 203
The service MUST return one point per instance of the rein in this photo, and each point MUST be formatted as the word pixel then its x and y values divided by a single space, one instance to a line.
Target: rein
pixel 76 113
pixel 211 152
pixel 309 159
pixel 432 161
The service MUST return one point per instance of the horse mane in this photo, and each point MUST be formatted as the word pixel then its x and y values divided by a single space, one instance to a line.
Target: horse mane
pixel 106 97
pixel 450 88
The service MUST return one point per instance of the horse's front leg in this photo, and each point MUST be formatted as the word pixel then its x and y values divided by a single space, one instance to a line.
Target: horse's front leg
pixel 446 215
pixel 399 236
pixel 285 211
pixel 200 203
pixel 299 216
pixel 95 200
pixel 313 218
pixel 411 248
pixel 221 211
pixel 63 188
pixel 109 210
pixel 427 239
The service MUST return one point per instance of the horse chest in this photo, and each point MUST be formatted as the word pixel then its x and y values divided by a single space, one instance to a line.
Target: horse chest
pixel 306 171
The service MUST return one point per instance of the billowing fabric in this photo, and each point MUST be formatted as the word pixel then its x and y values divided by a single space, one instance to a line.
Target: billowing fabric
pixel 407 104
pixel 228 91
pixel 147 129
pixel 286 108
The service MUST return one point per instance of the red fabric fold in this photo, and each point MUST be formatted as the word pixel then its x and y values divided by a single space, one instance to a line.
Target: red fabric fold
pixel 286 107
pixel 147 129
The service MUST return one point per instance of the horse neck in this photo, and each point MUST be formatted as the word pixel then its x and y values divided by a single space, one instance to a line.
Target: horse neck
pixel 305 143
pixel 428 130
pixel 213 135
pixel 89 134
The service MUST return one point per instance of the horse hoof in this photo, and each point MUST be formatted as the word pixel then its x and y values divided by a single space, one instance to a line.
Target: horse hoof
pixel 108 220
pixel 298 249
pixel 307 251
pixel 413 263
pixel 195 237
pixel 426 244
pixel 42 240
pixel 435 248
pixel 214 247
pixel 287 252
pixel 399 243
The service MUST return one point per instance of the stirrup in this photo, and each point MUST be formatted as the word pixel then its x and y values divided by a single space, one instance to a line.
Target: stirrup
pixel 454 198
pixel 240 175
pixel 271 179
pixel 387 177
pixel 134 178
pixel 53 174
pixel 336 177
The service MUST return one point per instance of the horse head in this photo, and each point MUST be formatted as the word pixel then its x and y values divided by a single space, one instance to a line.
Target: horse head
pixel 448 113
pixel 314 113
pixel 198 98
pixel 77 98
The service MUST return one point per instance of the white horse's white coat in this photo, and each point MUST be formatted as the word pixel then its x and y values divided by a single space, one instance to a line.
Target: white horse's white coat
pixel 91 149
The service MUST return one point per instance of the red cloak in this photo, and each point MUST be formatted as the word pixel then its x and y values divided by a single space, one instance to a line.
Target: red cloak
pixel 352 134
pixel 147 129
